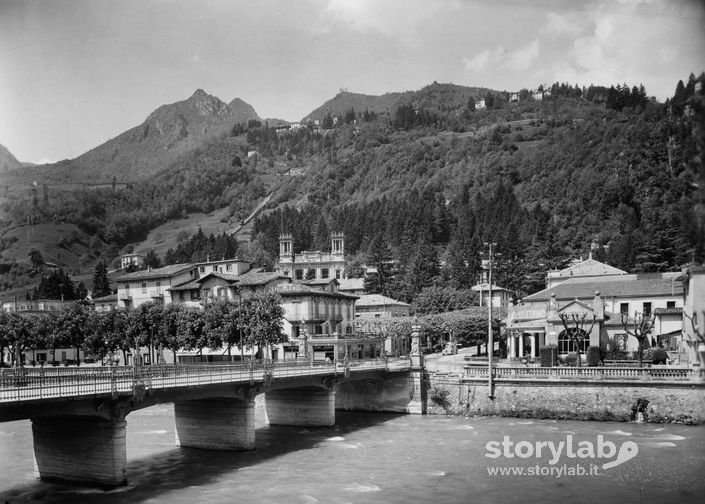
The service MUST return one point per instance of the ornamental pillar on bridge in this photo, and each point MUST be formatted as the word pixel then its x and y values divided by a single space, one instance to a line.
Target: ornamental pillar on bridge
pixel 216 423
pixel 417 376
pixel 81 449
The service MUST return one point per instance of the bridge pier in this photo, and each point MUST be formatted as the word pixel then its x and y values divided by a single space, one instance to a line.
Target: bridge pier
pixel 306 406
pixel 80 449
pixel 216 423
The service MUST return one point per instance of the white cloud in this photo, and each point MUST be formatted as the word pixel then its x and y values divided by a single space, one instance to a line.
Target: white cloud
pixel 571 24
pixel 481 61
pixel 519 59
pixel 389 17
pixel 631 41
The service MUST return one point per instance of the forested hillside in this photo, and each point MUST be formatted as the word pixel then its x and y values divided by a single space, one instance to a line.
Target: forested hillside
pixel 419 187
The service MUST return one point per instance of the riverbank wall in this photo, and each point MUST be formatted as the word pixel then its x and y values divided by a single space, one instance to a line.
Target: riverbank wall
pixel 578 399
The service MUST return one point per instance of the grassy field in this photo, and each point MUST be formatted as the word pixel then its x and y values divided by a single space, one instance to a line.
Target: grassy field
pixel 166 236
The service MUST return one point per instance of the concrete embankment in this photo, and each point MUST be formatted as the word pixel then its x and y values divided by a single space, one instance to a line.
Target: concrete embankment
pixel 578 399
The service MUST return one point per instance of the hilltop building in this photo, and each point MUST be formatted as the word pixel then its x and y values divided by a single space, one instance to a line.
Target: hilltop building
pixel 594 291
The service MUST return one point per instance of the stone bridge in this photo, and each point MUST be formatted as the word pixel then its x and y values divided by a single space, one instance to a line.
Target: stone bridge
pixel 79 415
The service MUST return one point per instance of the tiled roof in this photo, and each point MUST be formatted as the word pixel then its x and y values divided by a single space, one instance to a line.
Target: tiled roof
pixel 229 277
pixel 588 267
pixel 636 285
pixel 378 300
pixel 258 277
pixel 186 286
pixel 166 271
pixel 110 298
pixel 299 289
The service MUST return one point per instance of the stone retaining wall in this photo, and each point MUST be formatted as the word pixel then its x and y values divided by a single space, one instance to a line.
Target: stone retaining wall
pixel 682 401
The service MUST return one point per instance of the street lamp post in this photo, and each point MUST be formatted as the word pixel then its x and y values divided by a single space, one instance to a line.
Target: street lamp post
pixel 490 335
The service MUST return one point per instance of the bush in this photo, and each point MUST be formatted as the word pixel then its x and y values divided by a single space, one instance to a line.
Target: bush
pixel 548 355
pixel 440 397
pixel 570 360
pixel 594 356
pixel 656 355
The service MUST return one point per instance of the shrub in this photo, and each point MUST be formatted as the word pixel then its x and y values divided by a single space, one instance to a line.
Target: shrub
pixel 439 396
pixel 570 360
pixel 656 355
pixel 548 355
pixel 616 354
pixel 594 356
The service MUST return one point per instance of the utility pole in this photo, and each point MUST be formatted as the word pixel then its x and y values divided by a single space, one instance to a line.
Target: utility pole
pixel 490 335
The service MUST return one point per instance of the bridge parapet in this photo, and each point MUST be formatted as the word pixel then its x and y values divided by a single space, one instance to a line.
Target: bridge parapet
pixel 22 384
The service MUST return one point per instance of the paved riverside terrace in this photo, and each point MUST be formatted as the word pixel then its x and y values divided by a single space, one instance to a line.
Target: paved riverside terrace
pixel 79 414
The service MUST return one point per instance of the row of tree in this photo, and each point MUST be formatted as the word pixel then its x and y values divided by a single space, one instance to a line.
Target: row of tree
pixel 253 324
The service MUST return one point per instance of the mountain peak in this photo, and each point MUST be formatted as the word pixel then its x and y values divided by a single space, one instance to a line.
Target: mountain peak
pixel 199 92
pixel 7 160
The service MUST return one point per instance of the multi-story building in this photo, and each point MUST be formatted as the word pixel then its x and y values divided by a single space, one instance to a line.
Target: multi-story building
pixel 310 265
pixel 319 320
pixel 600 296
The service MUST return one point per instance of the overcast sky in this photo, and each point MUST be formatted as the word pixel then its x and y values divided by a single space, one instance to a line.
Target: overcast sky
pixel 74 73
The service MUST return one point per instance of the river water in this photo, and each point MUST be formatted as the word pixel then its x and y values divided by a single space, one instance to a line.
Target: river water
pixel 383 458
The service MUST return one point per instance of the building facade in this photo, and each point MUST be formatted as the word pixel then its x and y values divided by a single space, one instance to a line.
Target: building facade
pixel 593 297
pixel 311 265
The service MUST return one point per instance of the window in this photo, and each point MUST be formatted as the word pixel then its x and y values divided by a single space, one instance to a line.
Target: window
pixel 624 308
pixel 215 267
pixel 144 287
pixel 567 345
pixel 325 273
pixel 228 267
pixel 337 274
pixel 202 269
pixel 670 304
pixel 299 274
pixel 647 309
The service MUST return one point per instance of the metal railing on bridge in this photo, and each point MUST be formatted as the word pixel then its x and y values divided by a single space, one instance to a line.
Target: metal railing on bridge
pixel 18 384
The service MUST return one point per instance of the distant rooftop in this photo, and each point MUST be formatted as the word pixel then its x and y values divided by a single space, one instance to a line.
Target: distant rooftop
pixel 166 271
pixel 588 267
pixel 378 300
pixel 627 285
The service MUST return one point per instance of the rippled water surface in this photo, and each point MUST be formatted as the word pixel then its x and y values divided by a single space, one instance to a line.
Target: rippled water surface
pixel 376 458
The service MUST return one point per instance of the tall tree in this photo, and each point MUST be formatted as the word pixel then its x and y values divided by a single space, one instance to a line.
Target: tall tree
pixel 101 284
